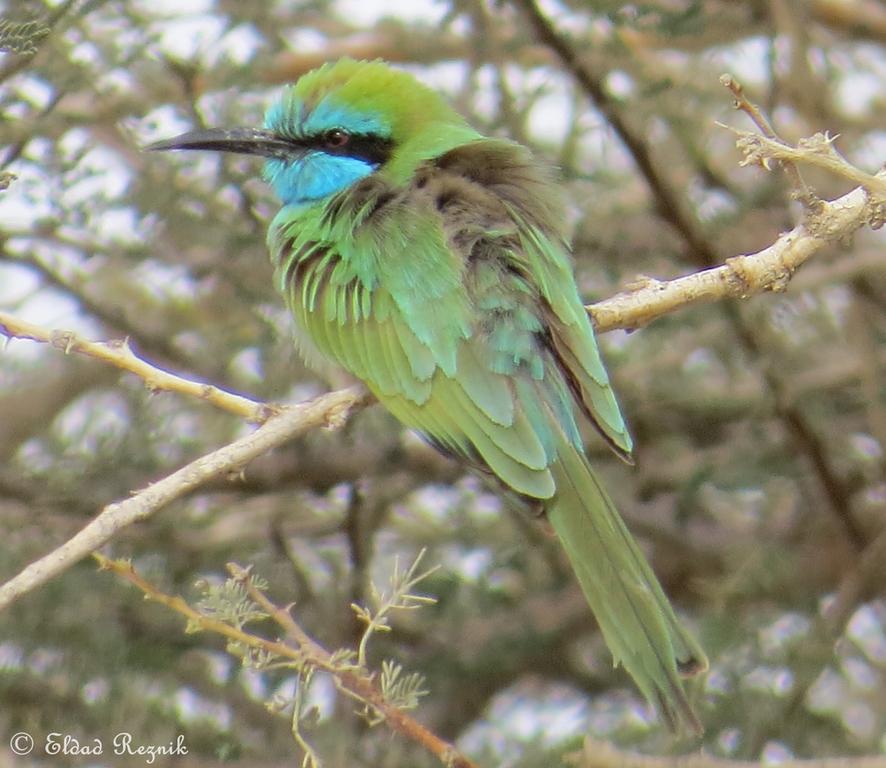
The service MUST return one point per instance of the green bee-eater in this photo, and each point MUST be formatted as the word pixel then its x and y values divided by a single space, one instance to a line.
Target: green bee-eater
pixel 432 263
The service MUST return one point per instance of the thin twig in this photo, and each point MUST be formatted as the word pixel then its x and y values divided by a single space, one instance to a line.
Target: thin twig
pixel 302 649
pixel 817 150
pixel 365 689
pixel 748 107
pixel 761 121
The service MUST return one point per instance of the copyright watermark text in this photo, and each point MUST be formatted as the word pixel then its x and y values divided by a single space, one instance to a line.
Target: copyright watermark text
pixel 123 743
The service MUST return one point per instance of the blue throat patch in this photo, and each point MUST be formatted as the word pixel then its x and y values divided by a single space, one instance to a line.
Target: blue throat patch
pixel 313 176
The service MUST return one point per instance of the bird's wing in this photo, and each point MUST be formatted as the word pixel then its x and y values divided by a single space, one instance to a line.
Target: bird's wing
pixel 572 339
pixel 537 249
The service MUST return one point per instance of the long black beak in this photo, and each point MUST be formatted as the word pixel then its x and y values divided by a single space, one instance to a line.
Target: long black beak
pixel 243 141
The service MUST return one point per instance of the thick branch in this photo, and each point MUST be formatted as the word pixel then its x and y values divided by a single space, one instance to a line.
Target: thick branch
pixel 328 410
pixel 741 276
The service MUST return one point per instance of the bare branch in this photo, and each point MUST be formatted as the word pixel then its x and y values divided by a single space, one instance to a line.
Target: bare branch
pixel 702 249
pixel 817 150
pixel 741 276
pixel 765 127
pixel 119 354
pixel 329 410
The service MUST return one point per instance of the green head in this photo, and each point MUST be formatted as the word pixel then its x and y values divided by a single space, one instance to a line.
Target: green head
pixel 339 124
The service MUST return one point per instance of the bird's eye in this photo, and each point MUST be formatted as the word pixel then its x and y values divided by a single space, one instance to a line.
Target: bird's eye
pixel 336 138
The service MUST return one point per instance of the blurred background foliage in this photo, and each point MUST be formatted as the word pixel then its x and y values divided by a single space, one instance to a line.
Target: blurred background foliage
pixel 760 490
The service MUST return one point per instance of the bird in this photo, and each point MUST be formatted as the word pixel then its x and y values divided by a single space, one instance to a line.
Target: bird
pixel 433 263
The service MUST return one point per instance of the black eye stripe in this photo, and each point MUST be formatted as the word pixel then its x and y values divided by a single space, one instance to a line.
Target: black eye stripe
pixel 368 147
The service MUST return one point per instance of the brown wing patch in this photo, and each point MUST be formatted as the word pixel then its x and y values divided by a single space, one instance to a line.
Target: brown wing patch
pixel 570 367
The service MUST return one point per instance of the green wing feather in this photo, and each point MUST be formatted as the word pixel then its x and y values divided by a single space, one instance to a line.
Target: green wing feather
pixel 457 306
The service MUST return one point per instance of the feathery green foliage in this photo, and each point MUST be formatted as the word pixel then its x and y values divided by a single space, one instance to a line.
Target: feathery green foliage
pixel 21 37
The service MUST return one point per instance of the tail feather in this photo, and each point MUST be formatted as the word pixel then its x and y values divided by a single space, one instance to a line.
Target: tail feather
pixel 635 616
